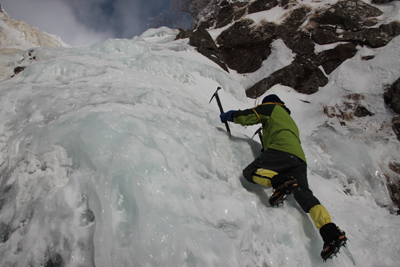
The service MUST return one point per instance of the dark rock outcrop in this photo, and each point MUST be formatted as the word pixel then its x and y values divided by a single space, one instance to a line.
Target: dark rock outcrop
pixel 362 111
pixel 331 59
pixel 382 1
pixel 292 23
pixel 18 70
pixel 304 74
pixel 392 99
pixel 245 44
pixel 183 34
pixel 350 15
pixel 207 47
pixel 393 183
pixel 53 259
pixel 396 126
pixel 226 14
pixel 351 21
pixel 230 13
pixel 373 37
pixel 201 38
pixel 304 77
pixel 5 233
pixel 366 58
pixel 394 166
pixel 300 43
pixel 392 96
pixel 261 5
pixel 244 33
pixel 345 21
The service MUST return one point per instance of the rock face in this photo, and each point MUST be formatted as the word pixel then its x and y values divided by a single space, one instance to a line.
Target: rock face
pixel 207 47
pixel 392 99
pixel 396 126
pixel 382 1
pixel 350 15
pixel 362 112
pixel 305 77
pixel 394 183
pixel 392 96
pixel 184 34
pixel 245 44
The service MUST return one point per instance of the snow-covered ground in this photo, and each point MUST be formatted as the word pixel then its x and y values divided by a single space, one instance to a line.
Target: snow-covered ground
pixel 112 155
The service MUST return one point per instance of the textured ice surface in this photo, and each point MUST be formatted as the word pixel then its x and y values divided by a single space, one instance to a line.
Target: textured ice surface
pixel 111 155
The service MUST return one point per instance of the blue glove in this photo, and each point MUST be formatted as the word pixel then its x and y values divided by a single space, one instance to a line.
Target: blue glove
pixel 227 116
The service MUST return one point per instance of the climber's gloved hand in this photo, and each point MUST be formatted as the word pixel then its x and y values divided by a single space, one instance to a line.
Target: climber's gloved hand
pixel 227 116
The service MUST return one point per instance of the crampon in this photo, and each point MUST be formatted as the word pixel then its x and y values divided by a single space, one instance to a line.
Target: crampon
pixel 282 192
pixel 330 250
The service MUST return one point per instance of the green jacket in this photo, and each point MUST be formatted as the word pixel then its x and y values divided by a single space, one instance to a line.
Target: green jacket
pixel 280 132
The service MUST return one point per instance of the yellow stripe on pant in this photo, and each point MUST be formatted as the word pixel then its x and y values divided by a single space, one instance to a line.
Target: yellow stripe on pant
pixel 262 177
pixel 320 216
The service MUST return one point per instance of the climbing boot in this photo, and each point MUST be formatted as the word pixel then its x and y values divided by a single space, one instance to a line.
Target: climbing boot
pixel 282 192
pixel 334 239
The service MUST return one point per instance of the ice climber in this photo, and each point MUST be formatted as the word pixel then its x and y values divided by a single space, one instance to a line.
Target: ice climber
pixel 283 166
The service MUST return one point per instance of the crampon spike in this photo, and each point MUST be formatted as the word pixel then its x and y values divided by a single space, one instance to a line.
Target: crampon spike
pixel 282 193
pixel 339 244
pixel 279 201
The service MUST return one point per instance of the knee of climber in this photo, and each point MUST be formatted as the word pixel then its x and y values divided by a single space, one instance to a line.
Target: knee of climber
pixel 320 216
pixel 263 177
pixel 248 175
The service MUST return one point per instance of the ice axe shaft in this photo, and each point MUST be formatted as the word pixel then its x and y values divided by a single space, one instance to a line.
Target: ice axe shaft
pixel 259 132
pixel 220 109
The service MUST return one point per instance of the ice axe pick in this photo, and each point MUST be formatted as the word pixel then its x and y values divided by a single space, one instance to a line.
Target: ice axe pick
pixel 220 109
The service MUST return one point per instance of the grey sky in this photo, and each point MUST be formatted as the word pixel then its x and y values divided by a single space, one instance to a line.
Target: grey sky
pixel 83 22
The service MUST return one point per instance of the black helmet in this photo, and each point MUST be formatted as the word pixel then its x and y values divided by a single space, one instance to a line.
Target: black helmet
pixel 272 98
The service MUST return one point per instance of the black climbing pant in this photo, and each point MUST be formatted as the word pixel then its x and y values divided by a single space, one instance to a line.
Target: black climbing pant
pixel 287 166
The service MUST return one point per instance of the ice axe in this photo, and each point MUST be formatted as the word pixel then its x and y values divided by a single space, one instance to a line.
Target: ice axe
pixel 220 109
pixel 259 132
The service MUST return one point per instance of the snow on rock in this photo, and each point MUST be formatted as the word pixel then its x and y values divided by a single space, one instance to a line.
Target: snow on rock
pixel 20 35
pixel 17 36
